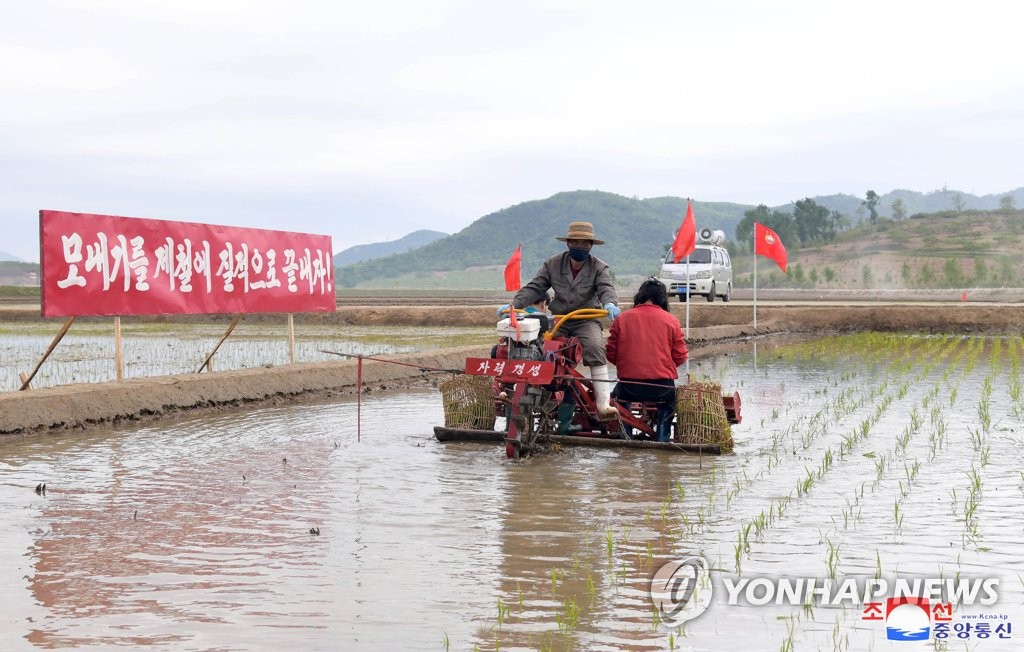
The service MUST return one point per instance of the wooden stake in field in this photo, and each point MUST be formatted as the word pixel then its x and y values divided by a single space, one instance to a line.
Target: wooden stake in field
pixel 207 361
pixel 26 382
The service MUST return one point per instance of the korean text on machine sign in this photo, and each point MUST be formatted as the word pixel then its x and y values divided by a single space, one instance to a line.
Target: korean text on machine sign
pixel 532 371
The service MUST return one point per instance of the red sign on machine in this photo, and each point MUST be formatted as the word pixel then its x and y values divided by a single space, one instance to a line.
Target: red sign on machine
pixel 109 265
pixel 534 372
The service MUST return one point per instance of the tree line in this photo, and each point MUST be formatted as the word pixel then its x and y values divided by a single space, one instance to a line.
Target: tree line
pixel 811 224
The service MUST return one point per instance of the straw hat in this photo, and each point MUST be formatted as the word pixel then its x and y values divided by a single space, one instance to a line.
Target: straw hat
pixel 581 231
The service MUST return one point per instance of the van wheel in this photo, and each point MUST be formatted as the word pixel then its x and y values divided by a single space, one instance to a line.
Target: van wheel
pixel 727 297
pixel 711 292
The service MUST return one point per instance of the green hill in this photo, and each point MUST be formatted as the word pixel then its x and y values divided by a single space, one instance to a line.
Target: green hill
pixel 636 231
pixel 975 249
pixel 639 231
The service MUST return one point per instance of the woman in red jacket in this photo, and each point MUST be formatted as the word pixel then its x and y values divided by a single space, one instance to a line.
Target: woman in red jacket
pixel 646 346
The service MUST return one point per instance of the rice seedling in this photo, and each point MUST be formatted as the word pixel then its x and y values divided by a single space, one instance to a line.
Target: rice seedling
pixel 503 612
pixel 681 490
pixel 975 477
pixel 570 616
pixel 738 553
pixel 832 558
pixel 897 517
pixel 879 468
pixel 787 643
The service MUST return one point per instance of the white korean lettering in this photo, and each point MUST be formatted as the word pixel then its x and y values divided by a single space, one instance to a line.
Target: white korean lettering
pixel 97 257
pixel 320 271
pixel 256 267
pixel 271 278
pixel 290 268
pixel 201 265
pixel 226 268
pixel 139 263
pixel 183 265
pixel 165 262
pixel 72 246
pixel 242 267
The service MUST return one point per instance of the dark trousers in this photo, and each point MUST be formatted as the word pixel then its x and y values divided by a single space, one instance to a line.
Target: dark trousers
pixel 660 391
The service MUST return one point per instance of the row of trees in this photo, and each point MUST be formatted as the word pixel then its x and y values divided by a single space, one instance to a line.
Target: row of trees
pixel 811 224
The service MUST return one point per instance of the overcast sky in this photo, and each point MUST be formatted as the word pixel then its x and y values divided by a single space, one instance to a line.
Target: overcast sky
pixel 368 120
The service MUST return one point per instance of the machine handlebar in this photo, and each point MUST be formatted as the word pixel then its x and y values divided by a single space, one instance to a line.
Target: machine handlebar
pixel 582 313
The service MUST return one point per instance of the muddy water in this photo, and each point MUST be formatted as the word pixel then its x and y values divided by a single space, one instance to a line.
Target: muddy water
pixel 195 534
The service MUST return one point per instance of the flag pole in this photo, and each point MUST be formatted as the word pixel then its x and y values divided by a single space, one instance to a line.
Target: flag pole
pixel 687 295
pixel 755 281
pixel 688 312
pixel 687 334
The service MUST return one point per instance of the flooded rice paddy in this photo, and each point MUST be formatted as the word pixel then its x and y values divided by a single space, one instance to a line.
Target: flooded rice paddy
pixel 277 528
pixel 87 353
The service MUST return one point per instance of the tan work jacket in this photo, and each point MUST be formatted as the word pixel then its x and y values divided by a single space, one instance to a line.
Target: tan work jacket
pixel 591 288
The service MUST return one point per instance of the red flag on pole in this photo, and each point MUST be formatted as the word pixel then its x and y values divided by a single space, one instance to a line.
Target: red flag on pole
pixel 767 243
pixel 686 237
pixel 513 270
pixel 513 321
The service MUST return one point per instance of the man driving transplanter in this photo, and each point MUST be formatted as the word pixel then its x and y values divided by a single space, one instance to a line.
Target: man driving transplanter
pixel 579 280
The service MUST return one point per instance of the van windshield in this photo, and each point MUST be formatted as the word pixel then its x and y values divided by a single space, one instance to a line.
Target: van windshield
pixel 698 257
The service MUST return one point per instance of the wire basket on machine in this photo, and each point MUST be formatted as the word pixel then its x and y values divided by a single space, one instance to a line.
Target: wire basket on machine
pixel 468 402
pixel 700 415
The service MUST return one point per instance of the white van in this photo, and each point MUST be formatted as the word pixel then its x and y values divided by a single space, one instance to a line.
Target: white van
pixel 710 269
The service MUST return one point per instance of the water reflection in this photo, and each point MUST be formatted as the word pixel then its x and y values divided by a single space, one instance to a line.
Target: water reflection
pixel 195 534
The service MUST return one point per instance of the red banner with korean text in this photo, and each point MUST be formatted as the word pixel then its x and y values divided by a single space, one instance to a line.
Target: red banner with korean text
pixel 109 265
pixel 534 372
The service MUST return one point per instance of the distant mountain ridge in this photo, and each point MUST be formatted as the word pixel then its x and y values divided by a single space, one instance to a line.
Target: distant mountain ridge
pixel 360 253
pixel 637 232
pixel 6 256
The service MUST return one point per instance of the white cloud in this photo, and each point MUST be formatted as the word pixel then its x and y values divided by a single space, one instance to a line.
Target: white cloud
pixel 429 115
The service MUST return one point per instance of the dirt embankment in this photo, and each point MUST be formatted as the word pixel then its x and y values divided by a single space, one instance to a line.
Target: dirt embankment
pixel 712 327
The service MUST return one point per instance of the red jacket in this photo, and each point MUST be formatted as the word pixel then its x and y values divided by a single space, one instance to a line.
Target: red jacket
pixel 646 343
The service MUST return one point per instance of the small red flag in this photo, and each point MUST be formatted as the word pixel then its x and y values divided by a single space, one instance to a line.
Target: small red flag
pixel 767 243
pixel 686 238
pixel 513 270
pixel 513 321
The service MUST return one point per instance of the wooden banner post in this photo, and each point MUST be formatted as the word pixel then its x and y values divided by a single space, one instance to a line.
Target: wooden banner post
pixel 291 338
pixel 118 356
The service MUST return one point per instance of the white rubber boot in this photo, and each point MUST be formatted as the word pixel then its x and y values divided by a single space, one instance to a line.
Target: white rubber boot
pixel 602 392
